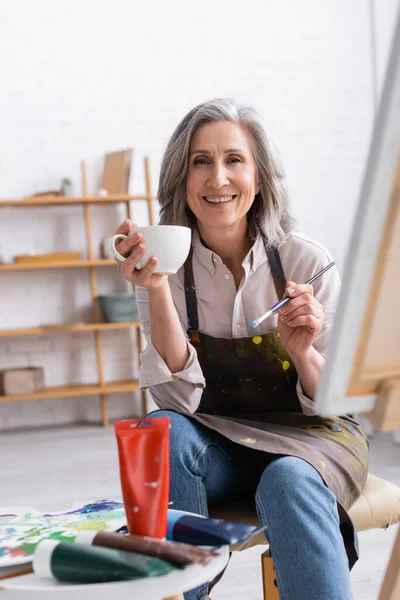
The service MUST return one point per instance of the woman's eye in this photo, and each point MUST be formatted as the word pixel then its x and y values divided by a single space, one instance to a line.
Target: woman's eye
pixel 200 161
pixel 234 159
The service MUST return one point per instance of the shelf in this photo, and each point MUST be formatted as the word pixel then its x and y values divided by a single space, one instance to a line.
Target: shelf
pixel 63 200
pixel 90 261
pixel 71 264
pixel 76 327
pixel 71 391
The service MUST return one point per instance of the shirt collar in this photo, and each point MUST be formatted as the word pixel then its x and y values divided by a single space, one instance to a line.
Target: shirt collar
pixel 256 256
pixel 203 254
pixel 258 253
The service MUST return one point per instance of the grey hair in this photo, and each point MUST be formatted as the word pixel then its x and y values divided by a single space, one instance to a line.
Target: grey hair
pixel 269 212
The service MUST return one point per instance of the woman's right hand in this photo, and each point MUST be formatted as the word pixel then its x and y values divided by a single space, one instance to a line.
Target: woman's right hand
pixel 133 249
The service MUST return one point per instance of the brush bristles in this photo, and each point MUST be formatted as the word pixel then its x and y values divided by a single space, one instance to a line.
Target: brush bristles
pixel 261 319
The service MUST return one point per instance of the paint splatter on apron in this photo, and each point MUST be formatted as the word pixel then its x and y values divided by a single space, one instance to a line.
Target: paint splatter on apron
pixel 250 397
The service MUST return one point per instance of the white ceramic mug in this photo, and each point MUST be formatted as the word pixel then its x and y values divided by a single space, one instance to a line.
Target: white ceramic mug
pixel 169 243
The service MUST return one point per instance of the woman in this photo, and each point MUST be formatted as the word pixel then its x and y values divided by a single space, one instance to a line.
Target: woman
pixel 240 400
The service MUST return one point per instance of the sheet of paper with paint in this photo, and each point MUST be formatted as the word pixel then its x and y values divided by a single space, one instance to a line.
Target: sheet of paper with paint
pixel 22 528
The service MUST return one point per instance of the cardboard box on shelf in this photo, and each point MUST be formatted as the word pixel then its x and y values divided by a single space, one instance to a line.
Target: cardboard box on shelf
pixel 21 381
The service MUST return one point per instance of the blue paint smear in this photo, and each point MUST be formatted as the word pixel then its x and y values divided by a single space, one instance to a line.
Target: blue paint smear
pixel 99 505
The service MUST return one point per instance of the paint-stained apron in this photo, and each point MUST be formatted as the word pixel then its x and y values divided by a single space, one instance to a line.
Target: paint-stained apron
pixel 250 397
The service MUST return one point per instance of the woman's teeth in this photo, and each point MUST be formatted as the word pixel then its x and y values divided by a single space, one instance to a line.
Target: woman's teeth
pixel 219 200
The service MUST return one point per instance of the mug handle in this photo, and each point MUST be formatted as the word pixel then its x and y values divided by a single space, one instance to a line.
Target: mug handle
pixel 113 249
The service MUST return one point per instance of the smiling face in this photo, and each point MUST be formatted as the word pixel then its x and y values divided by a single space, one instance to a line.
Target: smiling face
pixel 222 176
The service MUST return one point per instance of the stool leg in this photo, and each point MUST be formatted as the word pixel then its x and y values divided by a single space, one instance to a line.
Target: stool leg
pixel 390 589
pixel 177 597
pixel 270 588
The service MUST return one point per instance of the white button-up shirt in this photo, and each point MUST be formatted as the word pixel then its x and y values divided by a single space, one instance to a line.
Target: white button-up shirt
pixel 226 312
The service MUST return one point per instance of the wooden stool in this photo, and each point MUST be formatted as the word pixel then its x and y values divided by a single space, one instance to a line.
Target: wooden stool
pixel 270 586
pixel 377 507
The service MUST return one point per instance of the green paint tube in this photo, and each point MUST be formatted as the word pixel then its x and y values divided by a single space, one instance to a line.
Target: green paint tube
pixel 66 561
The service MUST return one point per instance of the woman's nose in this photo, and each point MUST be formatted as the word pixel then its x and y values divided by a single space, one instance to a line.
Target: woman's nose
pixel 218 177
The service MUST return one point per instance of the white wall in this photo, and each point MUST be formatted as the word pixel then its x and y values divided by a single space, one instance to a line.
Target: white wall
pixel 83 78
pixel 383 14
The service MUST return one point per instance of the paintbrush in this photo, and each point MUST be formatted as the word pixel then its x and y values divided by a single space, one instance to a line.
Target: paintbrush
pixel 16 574
pixel 278 305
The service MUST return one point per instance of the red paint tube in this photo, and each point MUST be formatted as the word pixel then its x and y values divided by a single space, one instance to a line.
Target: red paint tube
pixel 143 450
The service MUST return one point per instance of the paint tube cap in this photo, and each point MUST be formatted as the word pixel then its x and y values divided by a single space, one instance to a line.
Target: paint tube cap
pixel 85 537
pixel 42 558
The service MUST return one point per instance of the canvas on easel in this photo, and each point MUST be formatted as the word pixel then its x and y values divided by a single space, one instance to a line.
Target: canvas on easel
pixel 362 369
pixel 363 356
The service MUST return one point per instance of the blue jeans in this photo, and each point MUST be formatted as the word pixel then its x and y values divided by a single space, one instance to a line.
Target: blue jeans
pixel 292 501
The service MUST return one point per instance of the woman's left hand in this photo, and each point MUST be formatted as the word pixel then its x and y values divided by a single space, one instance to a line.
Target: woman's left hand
pixel 300 321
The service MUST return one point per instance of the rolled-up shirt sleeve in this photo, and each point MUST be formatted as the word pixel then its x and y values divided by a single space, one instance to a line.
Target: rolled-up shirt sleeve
pixel 179 391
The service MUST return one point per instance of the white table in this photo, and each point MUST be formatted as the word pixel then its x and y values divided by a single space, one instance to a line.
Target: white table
pixel 31 587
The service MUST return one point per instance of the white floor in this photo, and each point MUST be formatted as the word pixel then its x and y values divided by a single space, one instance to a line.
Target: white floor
pixel 49 469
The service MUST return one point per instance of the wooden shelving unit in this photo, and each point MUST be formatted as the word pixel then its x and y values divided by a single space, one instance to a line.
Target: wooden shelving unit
pixel 73 264
pixel 76 390
pixel 64 200
pixel 73 328
pixel 101 388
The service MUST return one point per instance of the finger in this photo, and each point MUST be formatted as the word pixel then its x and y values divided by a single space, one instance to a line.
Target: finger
pixel 126 245
pixel 148 271
pixel 295 289
pixel 125 227
pixel 305 309
pixel 297 302
pixel 130 264
pixel 308 321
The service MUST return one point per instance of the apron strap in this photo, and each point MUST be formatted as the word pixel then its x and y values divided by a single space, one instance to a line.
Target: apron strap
pixel 190 294
pixel 276 269
pixel 190 288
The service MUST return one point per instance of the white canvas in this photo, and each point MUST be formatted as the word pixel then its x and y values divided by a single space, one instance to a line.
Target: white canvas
pixel 363 249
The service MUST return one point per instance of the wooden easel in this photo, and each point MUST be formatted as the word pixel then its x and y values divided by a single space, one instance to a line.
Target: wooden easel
pixel 376 363
pixel 377 357
pixel 362 370
pixel 374 373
